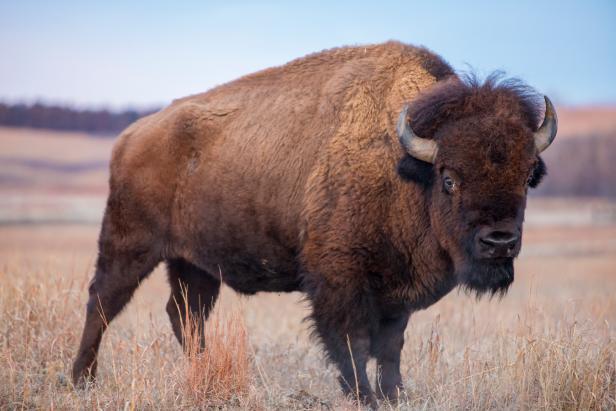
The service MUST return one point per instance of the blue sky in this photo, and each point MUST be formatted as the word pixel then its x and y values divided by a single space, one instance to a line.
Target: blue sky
pixel 132 53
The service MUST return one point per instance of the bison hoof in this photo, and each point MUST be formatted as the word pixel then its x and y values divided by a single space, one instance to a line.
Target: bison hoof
pixel 391 393
pixel 83 377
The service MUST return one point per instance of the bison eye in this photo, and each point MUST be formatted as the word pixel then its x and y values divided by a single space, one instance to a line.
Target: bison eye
pixel 449 184
pixel 529 179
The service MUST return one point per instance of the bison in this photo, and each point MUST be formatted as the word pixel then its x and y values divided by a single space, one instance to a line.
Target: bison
pixel 373 179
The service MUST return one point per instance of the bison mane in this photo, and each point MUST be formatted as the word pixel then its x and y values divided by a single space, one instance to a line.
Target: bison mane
pixel 465 96
pixel 459 97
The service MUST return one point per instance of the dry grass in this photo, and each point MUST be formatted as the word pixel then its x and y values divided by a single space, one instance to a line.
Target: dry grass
pixel 219 374
pixel 563 366
pixel 549 344
pixel 40 329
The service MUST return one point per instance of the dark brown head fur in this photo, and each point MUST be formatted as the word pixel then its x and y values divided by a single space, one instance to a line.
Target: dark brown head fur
pixel 487 156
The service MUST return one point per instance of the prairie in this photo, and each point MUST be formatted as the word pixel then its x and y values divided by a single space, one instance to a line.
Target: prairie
pixel 550 343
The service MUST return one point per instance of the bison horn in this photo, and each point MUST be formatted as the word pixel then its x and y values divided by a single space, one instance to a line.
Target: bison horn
pixel 420 148
pixel 546 133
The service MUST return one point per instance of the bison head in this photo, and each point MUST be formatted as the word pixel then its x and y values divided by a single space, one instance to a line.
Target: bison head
pixel 476 158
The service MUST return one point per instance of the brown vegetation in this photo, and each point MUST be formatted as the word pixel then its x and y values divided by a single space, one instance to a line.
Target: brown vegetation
pixel 218 375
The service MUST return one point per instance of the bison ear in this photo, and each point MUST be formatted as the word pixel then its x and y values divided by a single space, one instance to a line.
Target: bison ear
pixel 539 172
pixel 417 171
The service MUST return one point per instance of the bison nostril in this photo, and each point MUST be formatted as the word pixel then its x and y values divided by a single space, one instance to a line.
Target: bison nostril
pixel 500 238
pixel 499 243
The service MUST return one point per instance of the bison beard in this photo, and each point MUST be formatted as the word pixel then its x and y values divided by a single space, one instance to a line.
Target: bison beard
pixel 483 277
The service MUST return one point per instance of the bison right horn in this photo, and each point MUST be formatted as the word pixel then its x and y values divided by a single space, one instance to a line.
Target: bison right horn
pixel 546 133
pixel 421 148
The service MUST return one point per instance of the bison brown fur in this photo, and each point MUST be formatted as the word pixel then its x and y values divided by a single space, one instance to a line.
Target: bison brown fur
pixel 294 178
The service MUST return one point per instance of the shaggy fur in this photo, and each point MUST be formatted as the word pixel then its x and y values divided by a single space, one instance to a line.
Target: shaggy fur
pixel 290 179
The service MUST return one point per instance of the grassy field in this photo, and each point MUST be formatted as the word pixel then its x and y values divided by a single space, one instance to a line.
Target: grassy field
pixel 549 344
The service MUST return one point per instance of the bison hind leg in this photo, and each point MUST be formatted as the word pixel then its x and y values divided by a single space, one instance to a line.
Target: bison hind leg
pixel 193 291
pixel 124 261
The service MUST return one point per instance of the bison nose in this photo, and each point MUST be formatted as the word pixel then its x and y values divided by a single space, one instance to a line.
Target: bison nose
pixel 498 243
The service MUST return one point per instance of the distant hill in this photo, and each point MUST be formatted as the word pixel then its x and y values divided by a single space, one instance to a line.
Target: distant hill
pixel 581 162
pixel 582 159
pixel 54 117
pixel 582 121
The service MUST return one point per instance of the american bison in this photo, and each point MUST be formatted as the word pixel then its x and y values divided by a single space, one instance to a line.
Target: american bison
pixel 373 179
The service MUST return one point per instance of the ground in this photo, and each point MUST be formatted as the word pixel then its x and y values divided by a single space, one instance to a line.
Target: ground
pixel 550 343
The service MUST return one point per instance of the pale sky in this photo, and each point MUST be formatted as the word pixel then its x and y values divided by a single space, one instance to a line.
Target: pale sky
pixel 145 53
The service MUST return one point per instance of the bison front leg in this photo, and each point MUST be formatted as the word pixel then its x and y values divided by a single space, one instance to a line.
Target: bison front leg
pixel 343 322
pixel 386 346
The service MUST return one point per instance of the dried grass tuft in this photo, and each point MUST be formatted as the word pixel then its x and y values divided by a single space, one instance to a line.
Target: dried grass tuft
pixel 219 373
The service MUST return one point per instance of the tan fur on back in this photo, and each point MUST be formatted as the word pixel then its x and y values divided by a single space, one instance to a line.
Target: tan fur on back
pixel 260 141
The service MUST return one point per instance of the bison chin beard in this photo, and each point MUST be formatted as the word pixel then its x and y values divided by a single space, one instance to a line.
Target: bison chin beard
pixel 482 276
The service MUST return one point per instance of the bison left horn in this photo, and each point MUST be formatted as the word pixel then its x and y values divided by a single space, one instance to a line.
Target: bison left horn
pixel 546 133
pixel 420 148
